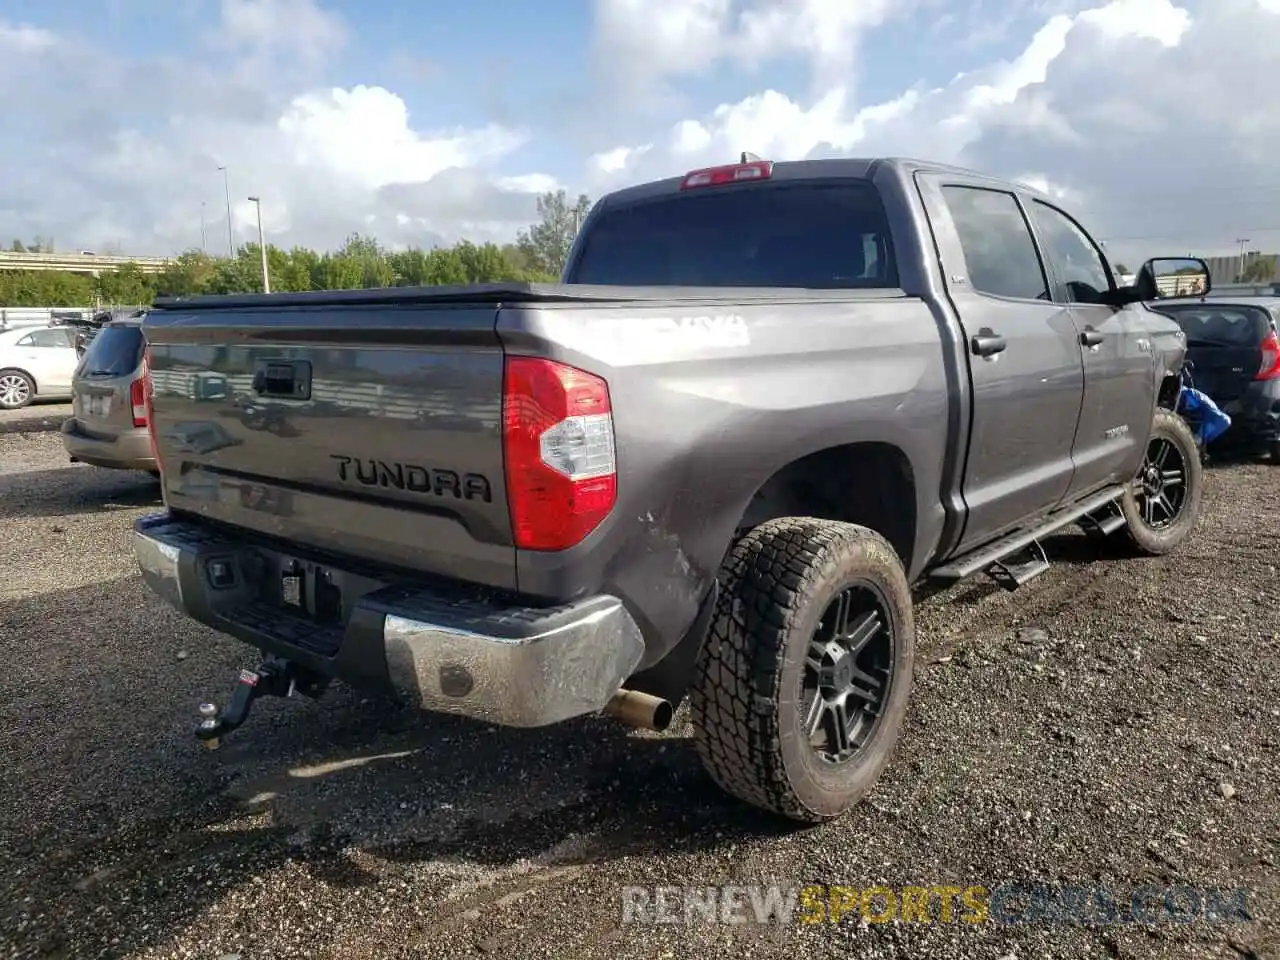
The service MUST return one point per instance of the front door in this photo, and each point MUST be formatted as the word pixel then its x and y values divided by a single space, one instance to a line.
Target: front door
pixel 1024 356
pixel 1119 363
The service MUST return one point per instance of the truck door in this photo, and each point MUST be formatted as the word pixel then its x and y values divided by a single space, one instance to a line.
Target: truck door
pixel 1024 355
pixel 1119 364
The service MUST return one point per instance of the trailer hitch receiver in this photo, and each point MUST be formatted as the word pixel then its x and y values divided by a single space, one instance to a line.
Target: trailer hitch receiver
pixel 273 678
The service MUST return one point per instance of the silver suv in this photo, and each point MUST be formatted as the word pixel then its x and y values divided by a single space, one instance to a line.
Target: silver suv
pixel 109 426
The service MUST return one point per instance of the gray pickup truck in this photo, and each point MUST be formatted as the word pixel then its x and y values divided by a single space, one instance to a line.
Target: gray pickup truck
pixel 768 403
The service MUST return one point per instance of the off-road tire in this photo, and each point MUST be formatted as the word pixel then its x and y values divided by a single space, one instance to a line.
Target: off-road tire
pixel 775 586
pixel 1136 536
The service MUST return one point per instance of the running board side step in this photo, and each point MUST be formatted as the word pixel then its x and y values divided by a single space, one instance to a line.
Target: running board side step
pixel 998 559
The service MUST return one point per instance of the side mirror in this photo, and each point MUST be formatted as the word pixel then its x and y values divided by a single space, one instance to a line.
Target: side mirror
pixel 1165 278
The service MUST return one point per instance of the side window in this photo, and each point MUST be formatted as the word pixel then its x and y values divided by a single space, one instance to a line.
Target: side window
pixel 48 338
pixel 28 341
pixel 998 248
pixel 1074 256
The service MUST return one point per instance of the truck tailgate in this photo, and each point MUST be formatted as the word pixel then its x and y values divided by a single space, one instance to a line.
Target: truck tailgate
pixel 368 432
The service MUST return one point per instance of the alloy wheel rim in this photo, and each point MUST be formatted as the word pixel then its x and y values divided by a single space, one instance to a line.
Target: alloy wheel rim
pixel 1160 488
pixel 848 673
pixel 13 390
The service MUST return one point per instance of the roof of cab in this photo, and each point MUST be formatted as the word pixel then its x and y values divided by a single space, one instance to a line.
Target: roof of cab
pixel 855 167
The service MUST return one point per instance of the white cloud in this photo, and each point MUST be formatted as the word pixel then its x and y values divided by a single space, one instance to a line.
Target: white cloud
pixel 325 160
pixel 297 25
pixel 1149 117
pixel 363 136
pixel 24 38
pixel 1138 113
pixel 643 43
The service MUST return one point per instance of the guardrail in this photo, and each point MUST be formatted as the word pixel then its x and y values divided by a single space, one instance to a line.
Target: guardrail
pixel 77 262
pixel 12 317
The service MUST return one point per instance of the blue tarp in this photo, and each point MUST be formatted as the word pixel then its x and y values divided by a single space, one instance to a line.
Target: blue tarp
pixel 1206 418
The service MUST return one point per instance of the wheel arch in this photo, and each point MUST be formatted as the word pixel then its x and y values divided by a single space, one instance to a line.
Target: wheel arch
pixel 1167 392
pixel 880 496
pixel 870 483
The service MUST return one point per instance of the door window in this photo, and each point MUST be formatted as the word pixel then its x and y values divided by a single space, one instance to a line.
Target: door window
pixel 45 338
pixel 998 248
pixel 1075 258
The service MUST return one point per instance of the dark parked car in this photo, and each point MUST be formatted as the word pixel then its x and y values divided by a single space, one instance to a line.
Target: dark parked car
pixel 767 400
pixel 1234 352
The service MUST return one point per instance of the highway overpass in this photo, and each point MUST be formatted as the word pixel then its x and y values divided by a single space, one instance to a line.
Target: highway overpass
pixel 90 263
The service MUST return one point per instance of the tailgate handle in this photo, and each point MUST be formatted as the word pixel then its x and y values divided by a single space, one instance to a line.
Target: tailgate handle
pixel 286 379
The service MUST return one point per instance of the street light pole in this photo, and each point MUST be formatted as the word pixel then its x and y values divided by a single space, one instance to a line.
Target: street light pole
pixel 1240 271
pixel 226 187
pixel 204 247
pixel 262 246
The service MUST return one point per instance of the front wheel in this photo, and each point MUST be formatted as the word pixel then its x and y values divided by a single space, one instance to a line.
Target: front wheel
pixel 1162 503
pixel 802 685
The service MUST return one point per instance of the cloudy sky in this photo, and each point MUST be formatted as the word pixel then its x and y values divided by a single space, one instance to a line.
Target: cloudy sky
pixel 425 122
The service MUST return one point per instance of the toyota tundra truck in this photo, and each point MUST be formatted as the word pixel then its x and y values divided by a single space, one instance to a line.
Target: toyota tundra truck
pixel 768 405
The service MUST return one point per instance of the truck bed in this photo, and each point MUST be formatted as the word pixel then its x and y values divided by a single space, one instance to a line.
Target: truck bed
pixel 395 455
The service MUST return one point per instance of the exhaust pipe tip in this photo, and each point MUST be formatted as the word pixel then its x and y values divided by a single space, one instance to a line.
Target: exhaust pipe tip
pixel 641 710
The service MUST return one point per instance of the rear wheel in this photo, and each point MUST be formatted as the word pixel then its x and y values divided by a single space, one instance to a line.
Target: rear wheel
pixel 16 389
pixel 1162 503
pixel 803 683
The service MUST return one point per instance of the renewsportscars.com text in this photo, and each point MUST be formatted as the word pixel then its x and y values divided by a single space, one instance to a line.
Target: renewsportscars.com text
pixel 1008 903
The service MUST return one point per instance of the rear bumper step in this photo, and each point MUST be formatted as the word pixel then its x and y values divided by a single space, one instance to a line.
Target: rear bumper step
pixel 441 649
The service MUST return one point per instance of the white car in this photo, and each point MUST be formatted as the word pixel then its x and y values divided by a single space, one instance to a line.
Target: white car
pixel 36 362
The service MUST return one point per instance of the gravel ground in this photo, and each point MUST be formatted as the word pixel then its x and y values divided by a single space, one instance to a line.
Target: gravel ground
pixel 39 417
pixel 1113 723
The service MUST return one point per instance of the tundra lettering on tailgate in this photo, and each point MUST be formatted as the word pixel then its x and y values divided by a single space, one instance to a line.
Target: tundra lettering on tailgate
pixel 412 477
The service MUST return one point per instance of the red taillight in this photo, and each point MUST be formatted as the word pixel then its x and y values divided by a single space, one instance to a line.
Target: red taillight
pixel 734 173
pixel 557 436
pixel 138 399
pixel 1270 368
pixel 148 405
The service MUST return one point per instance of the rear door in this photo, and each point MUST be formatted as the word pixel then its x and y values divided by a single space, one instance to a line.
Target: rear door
pixel 104 383
pixel 50 357
pixel 1026 395
pixel 1224 345
pixel 1119 363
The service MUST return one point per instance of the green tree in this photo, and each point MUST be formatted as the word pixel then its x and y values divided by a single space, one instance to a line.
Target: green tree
pixel 126 286
pixel 294 271
pixel 186 275
pixel 538 255
pixel 546 244
pixel 1259 269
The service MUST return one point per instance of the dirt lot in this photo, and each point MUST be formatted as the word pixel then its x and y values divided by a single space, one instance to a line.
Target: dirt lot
pixel 36 418
pixel 1112 724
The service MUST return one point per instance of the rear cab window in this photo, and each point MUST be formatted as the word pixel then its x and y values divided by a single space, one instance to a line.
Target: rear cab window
pixel 115 351
pixel 819 235
pixel 1226 326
